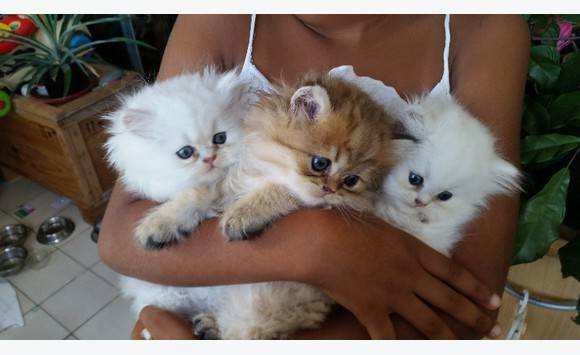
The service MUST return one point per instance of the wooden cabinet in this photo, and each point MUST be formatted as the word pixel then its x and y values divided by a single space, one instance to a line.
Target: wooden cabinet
pixel 60 147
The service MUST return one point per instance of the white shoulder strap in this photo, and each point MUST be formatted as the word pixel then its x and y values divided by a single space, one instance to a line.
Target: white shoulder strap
pixel 445 77
pixel 248 58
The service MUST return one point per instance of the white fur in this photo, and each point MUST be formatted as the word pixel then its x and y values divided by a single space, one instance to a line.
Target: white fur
pixel 146 132
pixel 455 152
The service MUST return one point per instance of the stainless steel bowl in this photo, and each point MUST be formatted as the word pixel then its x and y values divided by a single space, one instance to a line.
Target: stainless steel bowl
pixel 12 260
pixel 54 230
pixel 13 234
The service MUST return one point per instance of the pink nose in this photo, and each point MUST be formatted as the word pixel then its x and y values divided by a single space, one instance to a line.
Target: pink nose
pixel 419 203
pixel 327 189
pixel 209 160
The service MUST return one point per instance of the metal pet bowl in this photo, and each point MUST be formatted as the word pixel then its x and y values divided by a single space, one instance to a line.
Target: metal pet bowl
pixel 12 260
pixel 54 230
pixel 13 234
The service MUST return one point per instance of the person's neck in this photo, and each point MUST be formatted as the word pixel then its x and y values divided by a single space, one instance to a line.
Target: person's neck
pixel 352 28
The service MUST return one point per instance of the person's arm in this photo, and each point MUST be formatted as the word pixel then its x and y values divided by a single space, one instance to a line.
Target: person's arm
pixel 313 246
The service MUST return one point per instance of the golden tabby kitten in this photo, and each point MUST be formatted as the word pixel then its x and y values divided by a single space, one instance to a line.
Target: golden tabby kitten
pixel 322 143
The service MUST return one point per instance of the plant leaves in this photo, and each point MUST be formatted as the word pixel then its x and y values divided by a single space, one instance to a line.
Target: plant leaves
pixel 540 219
pixel 551 34
pixel 536 118
pixel 564 109
pixel 575 19
pixel 570 259
pixel 569 79
pixel 547 147
pixel 544 66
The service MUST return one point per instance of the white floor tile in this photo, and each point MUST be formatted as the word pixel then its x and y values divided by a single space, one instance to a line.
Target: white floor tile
pixel 17 192
pixel 82 249
pixel 5 219
pixel 41 283
pixel 45 205
pixel 26 303
pixel 113 322
pixel 106 273
pixel 37 325
pixel 79 300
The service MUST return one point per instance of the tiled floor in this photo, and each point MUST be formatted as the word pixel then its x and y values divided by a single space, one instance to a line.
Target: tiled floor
pixel 70 294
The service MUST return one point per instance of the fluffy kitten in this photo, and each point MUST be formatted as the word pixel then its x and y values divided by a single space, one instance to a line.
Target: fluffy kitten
pixel 172 142
pixel 446 176
pixel 321 143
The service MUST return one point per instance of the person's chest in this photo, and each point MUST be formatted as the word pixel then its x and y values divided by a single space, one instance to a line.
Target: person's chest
pixel 408 58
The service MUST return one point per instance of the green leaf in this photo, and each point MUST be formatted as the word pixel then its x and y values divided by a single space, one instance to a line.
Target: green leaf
pixel 66 70
pixel 26 42
pixel 569 79
pixel 551 33
pixel 547 147
pixel 570 259
pixel 544 66
pixel 540 219
pixel 575 19
pixel 539 21
pixel 536 118
pixel 564 109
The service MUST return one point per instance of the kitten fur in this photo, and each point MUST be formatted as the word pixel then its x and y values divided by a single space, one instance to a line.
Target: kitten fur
pixel 454 152
pixel 273 176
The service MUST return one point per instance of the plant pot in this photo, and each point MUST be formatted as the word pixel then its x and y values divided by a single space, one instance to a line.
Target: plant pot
pixel 543 279
pixel 80 84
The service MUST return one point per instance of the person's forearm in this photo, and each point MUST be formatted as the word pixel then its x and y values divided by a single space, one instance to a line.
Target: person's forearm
pixel 205 257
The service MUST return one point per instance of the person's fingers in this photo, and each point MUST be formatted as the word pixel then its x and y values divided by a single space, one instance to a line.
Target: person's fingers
pixel 164 325
pixel 425 320
pixel 438 294
pixel 459 278
pixel 137 329
pixel 380 327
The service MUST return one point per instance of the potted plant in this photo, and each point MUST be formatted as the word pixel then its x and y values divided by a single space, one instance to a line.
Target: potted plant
pixel 550 148
pixel 57 63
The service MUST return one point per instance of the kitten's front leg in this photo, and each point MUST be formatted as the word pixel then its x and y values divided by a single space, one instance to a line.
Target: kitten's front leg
pixel 251 214
pixel 171 221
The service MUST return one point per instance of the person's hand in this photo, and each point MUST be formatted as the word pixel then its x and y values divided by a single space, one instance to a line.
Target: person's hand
pixel 161 325
pixel 375 270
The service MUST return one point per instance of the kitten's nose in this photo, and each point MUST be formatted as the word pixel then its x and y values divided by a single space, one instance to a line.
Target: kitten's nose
pixel 209 160
pixel 327 189
pixel 420 203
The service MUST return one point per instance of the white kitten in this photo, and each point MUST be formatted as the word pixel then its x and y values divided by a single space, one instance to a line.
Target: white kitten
pixel 446 176
pixel 173 142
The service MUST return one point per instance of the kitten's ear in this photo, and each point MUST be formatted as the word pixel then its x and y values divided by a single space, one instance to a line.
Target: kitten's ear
pixel 507 177
pixel 138 122
pixel 310 102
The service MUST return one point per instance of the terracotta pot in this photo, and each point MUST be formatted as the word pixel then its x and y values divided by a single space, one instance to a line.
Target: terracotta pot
pixel 61 100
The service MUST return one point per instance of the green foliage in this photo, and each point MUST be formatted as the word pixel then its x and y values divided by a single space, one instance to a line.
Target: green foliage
pixel 570 261
pixel 550 141
pixel 56 57
pixel 540 219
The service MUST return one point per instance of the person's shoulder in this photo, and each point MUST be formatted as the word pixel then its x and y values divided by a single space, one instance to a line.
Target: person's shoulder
pixel 477 30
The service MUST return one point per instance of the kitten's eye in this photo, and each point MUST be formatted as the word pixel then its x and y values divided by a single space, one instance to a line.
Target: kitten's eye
pixel 415 180
pixel 185 152
pixel 351 180
pixel 445 195
pixel 319 163
pixel 219 138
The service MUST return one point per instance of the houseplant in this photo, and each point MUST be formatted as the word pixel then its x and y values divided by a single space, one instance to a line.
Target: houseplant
pixel 58 59
pixel 550 139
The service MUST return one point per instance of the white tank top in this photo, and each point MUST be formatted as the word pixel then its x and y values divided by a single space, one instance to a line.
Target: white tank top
pixel 258 81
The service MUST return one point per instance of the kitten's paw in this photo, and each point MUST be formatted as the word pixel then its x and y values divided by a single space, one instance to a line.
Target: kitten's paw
pixel 242 224
pixel 157 231
pixel 205 327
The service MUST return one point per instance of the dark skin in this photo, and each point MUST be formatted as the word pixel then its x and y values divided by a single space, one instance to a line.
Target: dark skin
pixel 425 293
